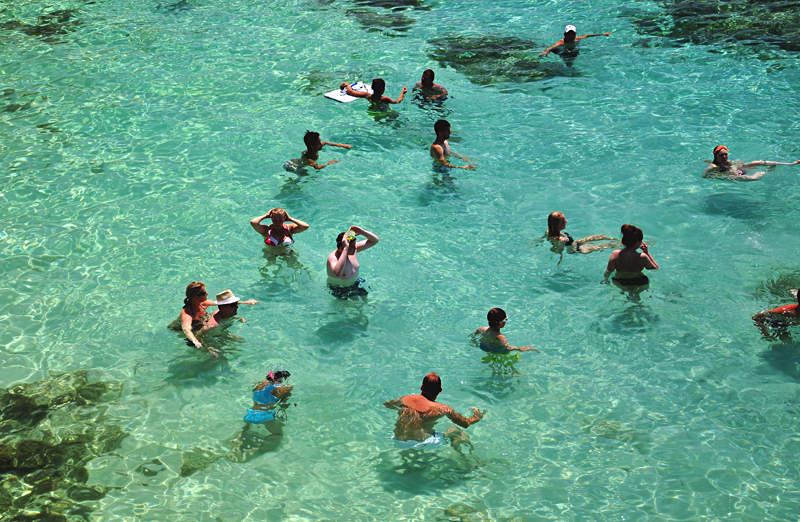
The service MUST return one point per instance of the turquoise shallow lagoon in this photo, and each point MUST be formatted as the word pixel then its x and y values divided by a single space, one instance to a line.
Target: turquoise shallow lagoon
pixel 138 139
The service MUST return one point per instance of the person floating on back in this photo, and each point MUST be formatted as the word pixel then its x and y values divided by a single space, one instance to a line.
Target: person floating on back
pixel 570 40
pixel 430 91
pixel 378 88
pixel 489 337
pixel 440 149
pixel 773 323
pixel 722 168
pixel 417 415
pixel 310 156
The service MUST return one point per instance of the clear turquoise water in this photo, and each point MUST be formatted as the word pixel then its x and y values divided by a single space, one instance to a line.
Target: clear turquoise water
pixel 145 138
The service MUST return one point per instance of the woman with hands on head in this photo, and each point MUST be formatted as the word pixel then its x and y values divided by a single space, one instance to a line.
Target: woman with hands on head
pixel 278 236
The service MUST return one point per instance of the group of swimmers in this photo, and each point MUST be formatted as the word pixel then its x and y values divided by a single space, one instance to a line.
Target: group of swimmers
pixel 417 414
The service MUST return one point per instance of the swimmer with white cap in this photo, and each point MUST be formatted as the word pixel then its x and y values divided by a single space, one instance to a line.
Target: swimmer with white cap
pixel 570 39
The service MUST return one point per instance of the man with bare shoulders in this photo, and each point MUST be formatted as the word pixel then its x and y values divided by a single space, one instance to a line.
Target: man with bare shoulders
pixel 343 279
pixel 440 150
pixel 417 415
pixel 570 41
pixel 428 89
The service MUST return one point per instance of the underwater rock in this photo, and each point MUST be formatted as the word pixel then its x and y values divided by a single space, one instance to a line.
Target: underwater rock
pixel 724 22
pixel 197 459
pixel 50 456
pixel 465 513
pixel 390 24
pixel 50 24
pixel 487 60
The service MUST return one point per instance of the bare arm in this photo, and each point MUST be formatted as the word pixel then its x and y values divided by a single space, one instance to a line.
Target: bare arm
pixel 341 261
pixel 460 420
pixel 762 163
pixel 612 264
pixel 759 319
pixel 649 262
pixel 258 227
pixel 437 151
pixel 336 145
pixel 547 51
pixel 371 241
pixel 399 98
pixel 591 35
pixel 504 342
pixel 351 92
pixel 396 404
pixel 299 226
pixel 282 392
pixel 317 166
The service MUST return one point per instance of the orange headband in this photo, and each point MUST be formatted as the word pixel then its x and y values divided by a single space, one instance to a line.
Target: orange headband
pixel 719 148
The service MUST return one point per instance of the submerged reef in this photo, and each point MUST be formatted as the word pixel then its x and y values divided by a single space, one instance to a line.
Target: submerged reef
pixel 49 431
pixel 385 16
pixel 721 22
pixel 49 25
pixel 487 60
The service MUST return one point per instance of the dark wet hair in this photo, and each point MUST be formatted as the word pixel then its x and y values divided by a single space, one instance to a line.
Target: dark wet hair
pixel 430 72
pixel 378 88
pixel 440 126
pixel 311 139
pixel 431 386
pixel 278 376
pixel 631 235
pixel 552 224
pixel 339 240
pixel 495 317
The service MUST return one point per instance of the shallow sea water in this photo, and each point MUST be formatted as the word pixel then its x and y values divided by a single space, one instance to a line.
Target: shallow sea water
pixel 138 141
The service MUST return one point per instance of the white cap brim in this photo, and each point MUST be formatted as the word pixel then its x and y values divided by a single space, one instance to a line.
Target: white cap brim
pixel 228 301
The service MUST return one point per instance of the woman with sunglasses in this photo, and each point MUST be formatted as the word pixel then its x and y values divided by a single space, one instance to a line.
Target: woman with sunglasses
pixel 194 315
pixel 489 337
pixel 722 168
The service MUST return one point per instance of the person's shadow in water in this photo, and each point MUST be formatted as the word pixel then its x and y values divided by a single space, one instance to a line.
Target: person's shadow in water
pixel 199 370
pixel 343 331
pixel 784 357
pixel 284 269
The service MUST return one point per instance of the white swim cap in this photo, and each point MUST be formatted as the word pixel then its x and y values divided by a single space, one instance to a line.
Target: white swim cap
pixel 570 28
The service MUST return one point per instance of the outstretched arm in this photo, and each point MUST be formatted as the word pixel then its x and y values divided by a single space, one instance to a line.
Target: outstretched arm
pixel 336 145
pixel 504 342
pixel 591 35
pixel 395 404
pixel 759 320
pixel 547 51
pixel 464 422
pixel 399 98
pixel 762 163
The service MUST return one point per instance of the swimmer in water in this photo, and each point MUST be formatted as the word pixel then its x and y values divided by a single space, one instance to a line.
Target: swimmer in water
pixel 489 337
pixel 267 394
pixel 194 316
pixel 225 315
pixel 557 222
pixel 310 156
pixel 723 169
pixel 430 91
pixel 773 323
pixel 343 264
pixel 440 150
pixel 570 40
pixel 628 263
pixel 378 88
pixel 417 416
pixel 278 237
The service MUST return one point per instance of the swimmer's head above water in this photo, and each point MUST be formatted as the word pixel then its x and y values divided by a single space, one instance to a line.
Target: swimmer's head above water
pixel 194 290
pixel 721 156
pixel 497 318
pixel 555 224
pixel 631 236
pixel 378 88
pixel 312 140
pixel 431 386
pixel 340 239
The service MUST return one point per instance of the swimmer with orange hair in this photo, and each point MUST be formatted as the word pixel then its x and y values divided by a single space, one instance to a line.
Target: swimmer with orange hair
pixel 722 168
